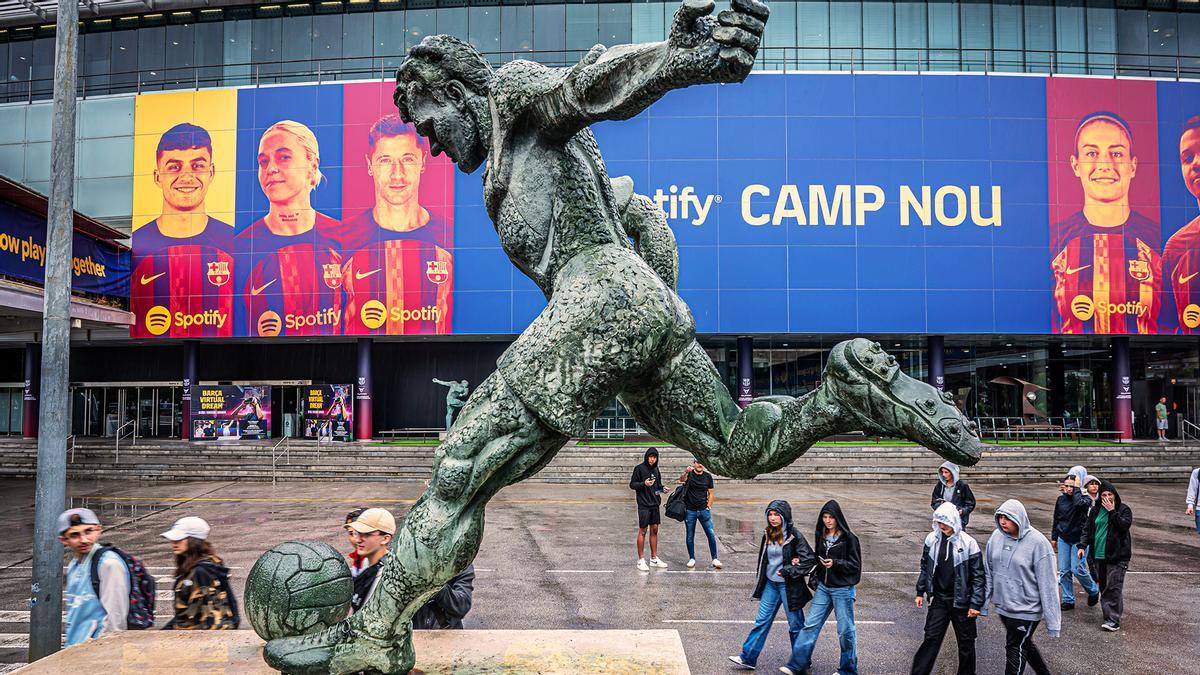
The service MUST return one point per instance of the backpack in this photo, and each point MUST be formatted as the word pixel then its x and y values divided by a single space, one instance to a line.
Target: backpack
pixel 141 588
pixel 676 509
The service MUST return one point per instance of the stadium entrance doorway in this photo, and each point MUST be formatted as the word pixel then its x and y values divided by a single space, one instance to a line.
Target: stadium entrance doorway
pixel 144 409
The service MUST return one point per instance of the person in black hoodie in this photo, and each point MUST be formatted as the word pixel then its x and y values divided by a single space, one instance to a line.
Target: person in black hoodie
pixel 1106 540
pixel 955 581
pixel 447 608
pixel 950 488
pixel 837 572
pixel 784 558
pixel 646 483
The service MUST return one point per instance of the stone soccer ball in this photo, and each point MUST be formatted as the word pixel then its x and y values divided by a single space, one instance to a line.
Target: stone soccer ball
pixel 297 587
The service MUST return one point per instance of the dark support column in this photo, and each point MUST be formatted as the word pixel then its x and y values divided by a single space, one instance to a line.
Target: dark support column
pixel 745 364
pixel 1122 389
pixel 937 361
pixel 1056 381
pixel 363 429
pixel 189 381
pixel 33 373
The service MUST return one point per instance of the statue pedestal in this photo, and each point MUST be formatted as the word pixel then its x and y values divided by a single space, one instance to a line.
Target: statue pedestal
pixel 155 652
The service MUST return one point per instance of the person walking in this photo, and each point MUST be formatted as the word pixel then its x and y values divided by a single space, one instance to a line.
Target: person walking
pixel 950 488
pixel 698 499
pixel 784 558
pixel 1070 512
pixel 372 533
pixel 1022 584
pixel 837 572
pixel 1193 497
pixel 1160 418
pixel 449 606
pixel 1106 540
pixel 98 606
pixel 204 599
pixel 646 482
pixel 954 581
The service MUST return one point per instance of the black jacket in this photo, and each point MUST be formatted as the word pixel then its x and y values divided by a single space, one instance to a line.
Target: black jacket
pixel 1070 511
pixel 794 546
pixel 647 496
pixel 970 576
pixel 1119 543
pixel 962 498
pixel 845 552
pixel 450 605
pixel 204 599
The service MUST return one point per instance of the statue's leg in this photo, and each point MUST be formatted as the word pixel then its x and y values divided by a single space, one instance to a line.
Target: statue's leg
pixel 495 441
pixel 862 390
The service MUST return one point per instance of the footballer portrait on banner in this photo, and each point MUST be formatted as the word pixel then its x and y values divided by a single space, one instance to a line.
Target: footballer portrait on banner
pixel 1181 255
pixel 1105 255
pixel 182 283
pixel 290 278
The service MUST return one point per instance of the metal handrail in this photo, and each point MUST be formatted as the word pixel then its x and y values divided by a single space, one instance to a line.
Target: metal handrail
pixel 775 58
pixel 287 452
pixel 71 441
pixel 117 442
pixel 1189 430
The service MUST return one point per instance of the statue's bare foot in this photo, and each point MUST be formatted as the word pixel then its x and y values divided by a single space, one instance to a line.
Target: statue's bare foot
pixel 867 381
pixel 340 650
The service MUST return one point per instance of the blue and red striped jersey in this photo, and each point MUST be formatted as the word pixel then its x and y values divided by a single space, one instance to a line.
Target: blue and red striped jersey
pixel 1181 293
pixel 182 287
pixel 1106 279
pixel 292 285
pixel 398 283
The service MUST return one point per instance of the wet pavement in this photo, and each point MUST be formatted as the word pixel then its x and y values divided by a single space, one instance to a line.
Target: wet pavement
pixel 562 556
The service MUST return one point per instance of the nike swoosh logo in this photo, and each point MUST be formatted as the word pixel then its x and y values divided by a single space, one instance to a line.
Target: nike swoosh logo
pixel 364 275
pixel 260 289
pixel 146 279
pixel 1076 270
pixel 1184 280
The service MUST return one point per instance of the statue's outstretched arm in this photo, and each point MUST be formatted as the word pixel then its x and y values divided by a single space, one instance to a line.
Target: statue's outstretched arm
pixel 619 82
pixel 444 384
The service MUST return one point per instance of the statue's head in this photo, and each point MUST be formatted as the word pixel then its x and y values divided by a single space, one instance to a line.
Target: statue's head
pixel 442 89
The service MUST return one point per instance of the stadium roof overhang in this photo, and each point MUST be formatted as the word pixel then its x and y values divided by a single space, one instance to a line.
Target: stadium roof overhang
pixel 14 193
pixel 15 13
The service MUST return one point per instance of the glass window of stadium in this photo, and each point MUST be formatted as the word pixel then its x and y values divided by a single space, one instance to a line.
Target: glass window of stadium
pixel 144 410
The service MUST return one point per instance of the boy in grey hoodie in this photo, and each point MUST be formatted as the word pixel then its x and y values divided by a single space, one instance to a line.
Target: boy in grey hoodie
pixel 1022 583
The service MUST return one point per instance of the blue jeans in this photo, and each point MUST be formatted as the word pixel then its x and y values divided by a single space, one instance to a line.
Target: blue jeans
pixel 705 518
pixel 826 600
pixel 1198 520
pixel 1069 564
pixel 773 595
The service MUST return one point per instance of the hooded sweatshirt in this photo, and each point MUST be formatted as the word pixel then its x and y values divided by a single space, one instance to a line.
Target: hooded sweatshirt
pixel 1022 571
pixel 845 551
pixel 959 556
pixel 647 496
pixel 959 493
pixel 204 599
pixel 795 546
pixel 1118 543
pixel 1071 510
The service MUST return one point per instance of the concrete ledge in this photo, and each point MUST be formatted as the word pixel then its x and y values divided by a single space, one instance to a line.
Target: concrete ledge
pixel 641 652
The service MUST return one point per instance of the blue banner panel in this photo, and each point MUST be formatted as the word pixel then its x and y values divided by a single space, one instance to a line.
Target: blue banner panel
pixel 97 268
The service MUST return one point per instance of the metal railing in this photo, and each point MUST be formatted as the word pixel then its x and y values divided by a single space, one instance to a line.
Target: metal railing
pixel 71 442
pixel 117 441
pixel 772 58
pixel 1189 430
pixel 285 442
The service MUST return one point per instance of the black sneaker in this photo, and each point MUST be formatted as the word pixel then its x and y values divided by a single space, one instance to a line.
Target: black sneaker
pixel 1111 626
pixel 1093 599
pixel 1068 606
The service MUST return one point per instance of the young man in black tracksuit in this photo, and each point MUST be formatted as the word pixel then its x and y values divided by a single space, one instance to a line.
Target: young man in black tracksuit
pixel 1107 541
pixel 646 482
pixel 955 581
pixel 950 488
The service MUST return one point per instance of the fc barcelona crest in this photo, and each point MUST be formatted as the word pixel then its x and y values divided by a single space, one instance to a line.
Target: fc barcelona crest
pixel 437 271
pixel 332 274
pixel 218 272
pixel 1139 269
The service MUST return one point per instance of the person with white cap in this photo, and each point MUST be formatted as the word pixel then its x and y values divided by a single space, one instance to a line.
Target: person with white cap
pixel 371 533
pixel 93 609
pixel 204 599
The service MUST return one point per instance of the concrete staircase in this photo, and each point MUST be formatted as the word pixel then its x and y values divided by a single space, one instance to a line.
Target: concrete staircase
pixel 153 460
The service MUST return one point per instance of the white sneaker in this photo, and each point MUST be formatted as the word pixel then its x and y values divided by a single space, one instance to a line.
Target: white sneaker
pixel 786 670
pixel 691 563
pixel 717 563
pixel 655 562
pixel 737 660
pixel 641 565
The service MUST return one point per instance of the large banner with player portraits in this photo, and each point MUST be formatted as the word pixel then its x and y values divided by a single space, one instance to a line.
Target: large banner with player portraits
pixel 329 412
pixel 811 203
pixel 222 412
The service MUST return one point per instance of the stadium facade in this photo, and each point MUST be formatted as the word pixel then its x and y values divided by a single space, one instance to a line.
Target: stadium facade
pixel 1001 192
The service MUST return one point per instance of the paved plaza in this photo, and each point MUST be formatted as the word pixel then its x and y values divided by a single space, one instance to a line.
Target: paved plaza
pixel 561 556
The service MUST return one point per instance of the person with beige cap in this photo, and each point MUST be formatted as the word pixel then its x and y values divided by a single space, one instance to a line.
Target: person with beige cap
pixel 204 598
pixel 371 533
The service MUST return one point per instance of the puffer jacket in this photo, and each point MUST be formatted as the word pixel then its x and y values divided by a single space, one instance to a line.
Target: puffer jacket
pixel 795 546
pixel 970 577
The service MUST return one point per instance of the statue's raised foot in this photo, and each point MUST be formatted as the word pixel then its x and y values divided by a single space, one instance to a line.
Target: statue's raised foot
pixel 339 650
